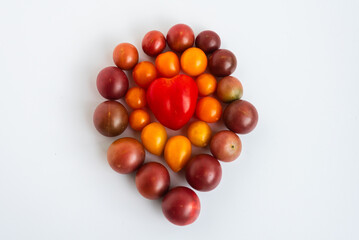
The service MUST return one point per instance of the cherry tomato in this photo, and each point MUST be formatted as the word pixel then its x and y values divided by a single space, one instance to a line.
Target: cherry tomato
pixel 177 152
pixel 112 83
pixel 222 63
pixel 203 172
pixel 152 180
pixel 199 133
pixel 125 155
pixel 181 206
pixel 206 84
pixel 208 41
pixel 125 56
pixel 144 73
pixel 229 89
pixel 180 37
pixel 139 119
pixel 136 97
pixel 208 109
pixel 167 64
pixel 153 43
pixel 193 61
pixel 110 118
pixel 154 137
pixel 226 146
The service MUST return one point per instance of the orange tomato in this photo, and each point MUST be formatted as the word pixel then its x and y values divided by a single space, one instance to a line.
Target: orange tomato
pixel 206 84
pixel 199 133
pixel 154 137
pixel 193 61
pixel 139 119
pixel 167 64
pixel 136 97
pixel 144 73
pixel 177 152
pixel 208 109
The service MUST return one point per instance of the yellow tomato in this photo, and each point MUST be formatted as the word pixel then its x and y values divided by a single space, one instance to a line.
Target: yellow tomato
pixel 206 84
pixel 154 138
pixel 177 152
pixel 199 133
pixel 193 61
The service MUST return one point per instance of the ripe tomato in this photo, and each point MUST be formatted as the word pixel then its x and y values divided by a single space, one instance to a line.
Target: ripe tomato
pixel 206 84
pixel 208 109
pixel 193 61
pixel 154 138
pixel 139 119
pixel 180 37
pixel 177 152
pixel 136 97
pixel 125 56
pixel 199 133
pixel 153 43
pixel 144 73
pixel 167 64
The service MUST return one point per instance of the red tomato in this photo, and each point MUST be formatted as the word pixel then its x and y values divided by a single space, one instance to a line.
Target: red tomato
pixel 173 100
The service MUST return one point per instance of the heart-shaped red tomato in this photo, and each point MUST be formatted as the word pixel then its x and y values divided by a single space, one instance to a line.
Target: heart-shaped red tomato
pixel 173 100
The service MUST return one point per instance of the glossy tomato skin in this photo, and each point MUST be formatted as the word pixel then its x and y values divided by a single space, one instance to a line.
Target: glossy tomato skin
pixel 229 89
pixel 152 180
pixel 167 64
pixel 193 61
pixel 154 137
pixel 153 43
pixel 203 172
pixel 125 56
pixel 208 41
pixel 125 155
pixel 110 118
pixel 240 117
pixel 173 100
pixel 112 83
pixel 144 73
pixel 181 206
pixel 139 119
pixel 177 152
pixel 180 37
pixel 226 146
pixel 222 63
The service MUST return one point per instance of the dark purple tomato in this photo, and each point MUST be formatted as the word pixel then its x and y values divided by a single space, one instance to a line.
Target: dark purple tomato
pixel 226 146
pixel 208 41
pixel 229 89
pixel 153 43
pixel 125 56
pixel 112 83
pixel 180 37
pixel 152 180
pixel 181 206
pixel 203 172
pixel 222 63
pixel 126 155
pixel 240 117
pixel 110 118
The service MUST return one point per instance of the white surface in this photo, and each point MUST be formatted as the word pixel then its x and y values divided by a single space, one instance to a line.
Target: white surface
pixel 297 177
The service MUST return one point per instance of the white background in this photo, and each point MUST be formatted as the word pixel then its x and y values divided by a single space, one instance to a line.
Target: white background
pixel 298 174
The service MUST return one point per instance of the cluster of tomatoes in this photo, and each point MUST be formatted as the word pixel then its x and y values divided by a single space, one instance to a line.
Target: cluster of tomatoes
pixel 174 98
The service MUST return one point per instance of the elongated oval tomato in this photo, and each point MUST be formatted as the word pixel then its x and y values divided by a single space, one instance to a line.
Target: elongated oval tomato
pixel 173 100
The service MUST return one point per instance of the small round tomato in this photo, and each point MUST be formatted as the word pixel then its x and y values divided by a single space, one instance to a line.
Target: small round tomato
pixel 167 64
pixel 153 43
pixel 144 73
pixel 139 119
pixel 154 138
pixel 206 84
pixel 199 133
pixel 193 61
pixel 180 37
pixel 208 109
pixel 125 56
pixel 177 152
pixel 136 97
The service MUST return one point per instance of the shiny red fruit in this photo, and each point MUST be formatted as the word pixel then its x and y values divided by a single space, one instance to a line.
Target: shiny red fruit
pixel 173 100
pixel 181 206
pixel 125 155
pixel 112 83
pixel 153 43
pixel 203 172
pixel 152 180
pixel 222 63
pixel 208 41
pixel 110 118
pixel 180 37
pixel 226 146
pixel 240 116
